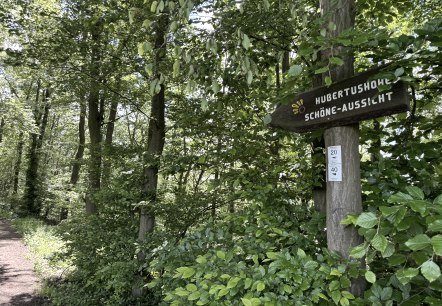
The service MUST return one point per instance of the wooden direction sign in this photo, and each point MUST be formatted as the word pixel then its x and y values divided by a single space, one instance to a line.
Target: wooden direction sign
pixel 345 102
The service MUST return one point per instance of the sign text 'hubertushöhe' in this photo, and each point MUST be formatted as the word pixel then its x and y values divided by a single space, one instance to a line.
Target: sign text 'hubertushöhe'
pixel 342 103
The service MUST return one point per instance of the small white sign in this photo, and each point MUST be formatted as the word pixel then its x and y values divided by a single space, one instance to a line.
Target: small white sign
pixel 334 164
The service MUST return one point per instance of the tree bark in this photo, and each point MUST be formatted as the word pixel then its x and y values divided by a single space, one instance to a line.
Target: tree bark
pixel 32 200
pixel 75 174
pixel 18 163
pixel 155 136
pixel 78 159
pixel 2 125
pixel 94 123
pixel 108 141
pixel 343 197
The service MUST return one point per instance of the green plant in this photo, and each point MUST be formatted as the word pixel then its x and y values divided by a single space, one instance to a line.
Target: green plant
pixel 403 248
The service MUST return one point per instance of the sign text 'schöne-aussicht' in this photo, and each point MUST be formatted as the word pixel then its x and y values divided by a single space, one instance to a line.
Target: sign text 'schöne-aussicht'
pixel 345 102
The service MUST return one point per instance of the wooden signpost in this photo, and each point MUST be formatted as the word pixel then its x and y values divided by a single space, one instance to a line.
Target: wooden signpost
pixel 342 103
pixel 339 108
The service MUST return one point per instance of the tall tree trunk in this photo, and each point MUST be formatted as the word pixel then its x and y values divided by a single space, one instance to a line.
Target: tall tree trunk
pixel 2 126
pixel 94 123
pixel 75 174
pixel 343 197
pixel 18 163
pixel 78 159
pixel 108 141
pixel 155 136
pixel 32 201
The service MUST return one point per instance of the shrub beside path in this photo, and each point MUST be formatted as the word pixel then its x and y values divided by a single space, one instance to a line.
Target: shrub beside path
pixel 18 282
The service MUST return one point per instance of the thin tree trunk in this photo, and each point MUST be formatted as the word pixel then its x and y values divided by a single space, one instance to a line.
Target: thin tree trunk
pixel 155 137
pixel 75 174
pixel 108 141
pixel 94 124
pixel 2 126
pixel 76 167
pixel 18 163
pixel 343 197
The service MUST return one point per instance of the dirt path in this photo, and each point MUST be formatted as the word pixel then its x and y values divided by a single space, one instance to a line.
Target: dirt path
pixel 17 279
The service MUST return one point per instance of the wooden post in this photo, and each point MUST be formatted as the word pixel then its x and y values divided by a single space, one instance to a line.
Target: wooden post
pixel 343 196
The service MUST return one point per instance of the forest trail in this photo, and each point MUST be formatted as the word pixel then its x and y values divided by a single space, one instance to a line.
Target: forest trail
pixel 17 279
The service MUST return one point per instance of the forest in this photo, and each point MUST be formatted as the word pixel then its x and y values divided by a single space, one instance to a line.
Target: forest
pixel 136 138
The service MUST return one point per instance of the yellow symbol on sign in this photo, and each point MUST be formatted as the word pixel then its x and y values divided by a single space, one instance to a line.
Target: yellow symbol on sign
pixel 298 107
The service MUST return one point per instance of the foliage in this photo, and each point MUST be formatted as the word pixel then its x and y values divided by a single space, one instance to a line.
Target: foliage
pixel 403 248
pixel 253 257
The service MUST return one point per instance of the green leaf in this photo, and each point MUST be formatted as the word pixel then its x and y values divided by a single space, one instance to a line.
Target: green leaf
pixel 370 277
pixel 295 70
pixel 435 226
pixel 223 292
pixel 436 242
pixel 336 61
pixel 367 220
pixel 191 287
pixel 350 219
pixel 405 275
pixel 221 254
pixel 430 270
pixel 358 251
pixel 194 296
pixel 186 272
pixel 233 282
pixel 201 259
pixel 379 242
pixel 245 41
pixel 180 291
pixel 160 7
pixel 332 26
pixel 132 12
pixel 399 197
pixel 323 32
pixel 344 301
pixel 215 87
pixel 419 206
pixel 438 200
pixel 415 192
pixel 246 302
pixel 418 242
pixel 386 293
pixel 389 250
pixel 399 71
pixel 328 80
pixel 153 6
pixel 267 119
pixel 347 295
pixel 336 296
pixel 249 77
pixel 260 286
pixel 176 68
pixel 322 70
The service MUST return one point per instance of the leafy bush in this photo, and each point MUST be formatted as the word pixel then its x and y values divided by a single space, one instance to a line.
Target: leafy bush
pixel 255 257
pixel 403 247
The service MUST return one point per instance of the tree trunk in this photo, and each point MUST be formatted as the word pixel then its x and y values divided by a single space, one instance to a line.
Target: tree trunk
pixel 18 163
pixel 94 124
pixel 75 174
pixel 343 197
pixel 108 141
pixel 155 136
pixel 32 201
pixel 76 167
pixel 2 125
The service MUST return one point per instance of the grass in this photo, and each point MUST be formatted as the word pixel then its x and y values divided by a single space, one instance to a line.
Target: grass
pixel 43 244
